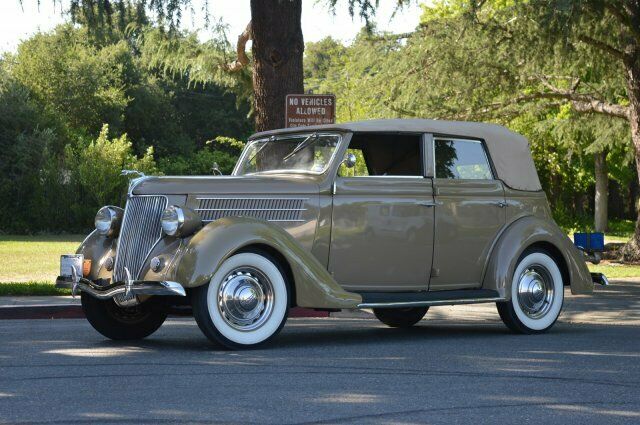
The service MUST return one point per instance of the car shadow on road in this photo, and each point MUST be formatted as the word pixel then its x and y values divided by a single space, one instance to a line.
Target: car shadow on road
pixel 311 333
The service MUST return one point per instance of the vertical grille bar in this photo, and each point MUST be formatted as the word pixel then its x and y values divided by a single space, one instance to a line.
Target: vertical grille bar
pixel 139 232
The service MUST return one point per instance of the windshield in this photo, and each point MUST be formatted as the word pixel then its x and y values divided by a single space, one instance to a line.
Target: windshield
pixel 306 153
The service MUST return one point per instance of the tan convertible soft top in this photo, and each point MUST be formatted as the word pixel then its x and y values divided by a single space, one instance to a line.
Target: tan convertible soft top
pixel 509 151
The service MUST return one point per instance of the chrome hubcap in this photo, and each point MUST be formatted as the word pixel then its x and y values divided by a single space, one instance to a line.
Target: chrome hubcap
pixel 535 291
pixel 245 298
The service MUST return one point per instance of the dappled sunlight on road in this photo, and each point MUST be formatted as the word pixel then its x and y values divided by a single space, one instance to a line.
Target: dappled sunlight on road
pixel 587 353
pixel 97 352
pixel 350 397
pixel 599 411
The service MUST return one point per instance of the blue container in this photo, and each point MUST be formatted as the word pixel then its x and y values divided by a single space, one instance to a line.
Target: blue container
pixel 589 242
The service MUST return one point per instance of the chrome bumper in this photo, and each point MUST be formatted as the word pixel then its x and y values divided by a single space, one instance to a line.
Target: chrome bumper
pixel 600 279
pixel 136 287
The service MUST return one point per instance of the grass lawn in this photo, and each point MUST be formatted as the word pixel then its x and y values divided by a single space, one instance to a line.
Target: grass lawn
pixel 616 270
pixel 29 264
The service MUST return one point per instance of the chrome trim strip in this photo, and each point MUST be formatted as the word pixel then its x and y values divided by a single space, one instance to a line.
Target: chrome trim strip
pixel 385 176
pixel 430 303
pixel 252 198
pixel 274 221
pixel 250 209
pixel 168 288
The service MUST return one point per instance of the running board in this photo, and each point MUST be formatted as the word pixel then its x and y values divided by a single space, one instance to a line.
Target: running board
pixel 426 299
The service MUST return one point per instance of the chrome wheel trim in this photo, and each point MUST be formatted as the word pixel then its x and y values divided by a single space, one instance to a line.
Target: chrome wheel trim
pixel 245 298
pixel 535 291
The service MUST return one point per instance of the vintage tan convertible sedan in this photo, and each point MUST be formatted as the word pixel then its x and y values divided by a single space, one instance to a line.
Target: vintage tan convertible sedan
pixel 389 215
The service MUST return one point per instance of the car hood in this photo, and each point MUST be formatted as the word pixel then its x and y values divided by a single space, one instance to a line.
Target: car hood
pixel 226 185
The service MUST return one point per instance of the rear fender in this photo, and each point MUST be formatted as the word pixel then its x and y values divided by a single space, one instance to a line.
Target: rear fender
pixel 524 233
pixel 220 239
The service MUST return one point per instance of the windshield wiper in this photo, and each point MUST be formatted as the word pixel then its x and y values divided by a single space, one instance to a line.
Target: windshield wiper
pixel 264 145
pixel 306 142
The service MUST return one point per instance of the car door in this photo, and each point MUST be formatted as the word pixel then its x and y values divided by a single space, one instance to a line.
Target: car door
pixel 470 211
pixel 383 216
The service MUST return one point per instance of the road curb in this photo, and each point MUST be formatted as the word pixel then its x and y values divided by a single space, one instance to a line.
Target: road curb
pixel 66 311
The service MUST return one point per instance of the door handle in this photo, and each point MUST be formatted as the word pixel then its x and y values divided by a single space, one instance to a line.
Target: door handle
pixel 428 203
pixel 501 204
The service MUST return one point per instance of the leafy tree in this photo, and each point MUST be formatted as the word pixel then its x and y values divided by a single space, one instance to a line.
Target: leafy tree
pixel 275 30
pixel 73 79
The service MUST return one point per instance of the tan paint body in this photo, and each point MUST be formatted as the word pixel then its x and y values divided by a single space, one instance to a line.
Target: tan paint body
pixel 362 234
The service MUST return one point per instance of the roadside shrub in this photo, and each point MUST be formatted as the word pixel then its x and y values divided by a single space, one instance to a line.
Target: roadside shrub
pixel 198 163
pixel 93 172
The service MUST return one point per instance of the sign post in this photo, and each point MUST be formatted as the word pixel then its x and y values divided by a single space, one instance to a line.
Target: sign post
pixel 310 109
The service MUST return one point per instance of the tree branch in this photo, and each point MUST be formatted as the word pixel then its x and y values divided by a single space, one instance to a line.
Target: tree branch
pixel 586 102
pixel 581 103
pixel 243 59
pixel 601 45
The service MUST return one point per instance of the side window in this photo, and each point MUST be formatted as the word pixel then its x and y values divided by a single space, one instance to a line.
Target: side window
pixel 461 159
pixel 384 155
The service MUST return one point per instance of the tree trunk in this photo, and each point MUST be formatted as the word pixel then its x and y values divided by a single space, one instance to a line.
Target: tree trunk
pixel 277 54
pixel 631 251
pixel 602 192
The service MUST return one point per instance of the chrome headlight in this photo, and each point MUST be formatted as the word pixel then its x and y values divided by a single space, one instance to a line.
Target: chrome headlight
pixel 179 221
pixel 172 220
pixel 108 220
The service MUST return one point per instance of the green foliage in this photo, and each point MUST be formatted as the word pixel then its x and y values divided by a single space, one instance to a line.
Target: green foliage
pixel 200 162
pixel 15 289
pixel 95 167
pixel 61 91
pixel 82 84
pixel 222 151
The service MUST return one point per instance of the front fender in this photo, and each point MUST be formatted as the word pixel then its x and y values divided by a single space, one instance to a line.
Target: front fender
pixel 517 237
pixel 97 248
pixel 220 239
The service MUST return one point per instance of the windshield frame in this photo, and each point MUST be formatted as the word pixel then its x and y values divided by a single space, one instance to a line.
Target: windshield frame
pixel 245 152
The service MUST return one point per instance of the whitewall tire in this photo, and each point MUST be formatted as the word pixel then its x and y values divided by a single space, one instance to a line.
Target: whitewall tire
pixel 245 303
pixel 537 294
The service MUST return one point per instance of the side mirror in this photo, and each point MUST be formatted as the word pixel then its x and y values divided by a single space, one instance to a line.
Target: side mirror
pixel 350 160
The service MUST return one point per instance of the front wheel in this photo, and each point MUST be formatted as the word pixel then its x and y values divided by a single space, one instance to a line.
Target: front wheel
pixel 400 317
pixel 537 294
pixel 124 323
pixel 245 303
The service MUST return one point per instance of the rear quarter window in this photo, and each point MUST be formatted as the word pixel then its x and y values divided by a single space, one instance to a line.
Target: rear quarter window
pixel 461 159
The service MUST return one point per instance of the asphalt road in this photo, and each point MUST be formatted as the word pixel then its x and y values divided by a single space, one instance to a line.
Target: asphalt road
pixel 335 370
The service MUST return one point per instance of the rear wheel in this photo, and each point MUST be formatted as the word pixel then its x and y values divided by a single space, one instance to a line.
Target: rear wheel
pixel 124 323
pixel 245 303
pixel 400 317
pixel 537 294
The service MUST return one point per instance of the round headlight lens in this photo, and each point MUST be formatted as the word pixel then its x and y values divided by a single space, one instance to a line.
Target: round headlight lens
pixel 172 220
pixel 106 221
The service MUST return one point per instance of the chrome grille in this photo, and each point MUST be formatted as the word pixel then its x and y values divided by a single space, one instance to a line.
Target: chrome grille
pixel 270 209
pixel 139 232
